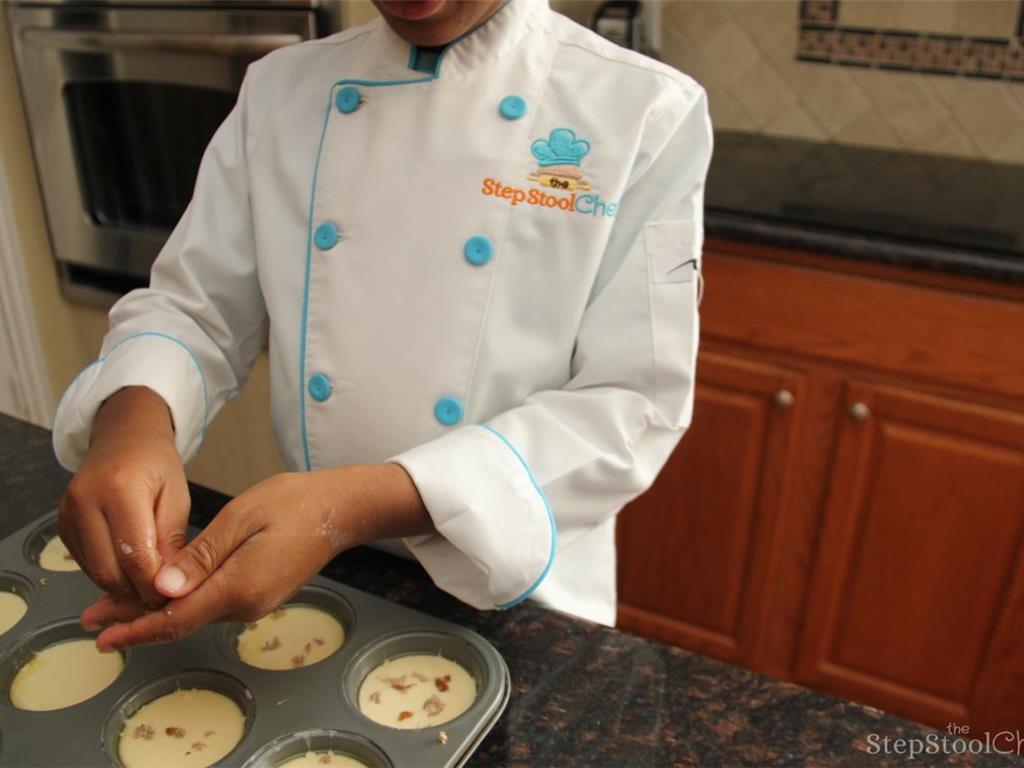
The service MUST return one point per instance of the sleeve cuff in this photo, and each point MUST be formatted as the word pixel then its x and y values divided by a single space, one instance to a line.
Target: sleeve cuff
pixel 157 361
pixel 496 537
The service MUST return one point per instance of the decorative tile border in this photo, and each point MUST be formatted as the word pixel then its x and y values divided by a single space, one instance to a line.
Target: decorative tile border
pixel 823 41
pixel 819 11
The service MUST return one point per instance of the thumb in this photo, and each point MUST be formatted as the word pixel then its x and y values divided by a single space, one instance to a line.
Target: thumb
pixel 200 558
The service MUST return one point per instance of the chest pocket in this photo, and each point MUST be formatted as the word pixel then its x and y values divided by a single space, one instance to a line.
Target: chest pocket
pixel 673 251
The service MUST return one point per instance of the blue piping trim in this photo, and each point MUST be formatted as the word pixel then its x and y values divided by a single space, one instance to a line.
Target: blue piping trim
pixel 305 288
pixel 312 201
pixel 79 375
pixel 195 362
pixel 180 343
pixel 309 246
pixel 551 521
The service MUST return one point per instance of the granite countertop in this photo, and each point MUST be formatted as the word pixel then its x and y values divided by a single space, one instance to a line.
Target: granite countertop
pixel 582 694
pixel 915 210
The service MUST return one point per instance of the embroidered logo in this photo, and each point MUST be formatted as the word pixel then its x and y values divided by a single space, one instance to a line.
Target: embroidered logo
pixel 558 157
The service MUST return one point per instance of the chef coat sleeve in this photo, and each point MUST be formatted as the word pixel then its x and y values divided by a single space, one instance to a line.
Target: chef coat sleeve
pixel 193 334
pixel 506 494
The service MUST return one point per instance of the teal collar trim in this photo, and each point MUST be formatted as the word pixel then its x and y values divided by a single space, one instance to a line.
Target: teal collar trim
pixel 426 60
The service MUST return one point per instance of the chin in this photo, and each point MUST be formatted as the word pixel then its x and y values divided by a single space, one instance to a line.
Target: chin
pixel 411 10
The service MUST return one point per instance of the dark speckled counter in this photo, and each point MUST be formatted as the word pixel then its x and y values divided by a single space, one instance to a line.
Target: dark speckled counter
pixel 582 694
pixel 911 210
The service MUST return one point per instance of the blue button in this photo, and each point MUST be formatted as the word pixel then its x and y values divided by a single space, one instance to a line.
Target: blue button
pixel 348 99
pixel 448 410
pixel 512 107
pixel 478 250
pixel 319 387
pixel 326 236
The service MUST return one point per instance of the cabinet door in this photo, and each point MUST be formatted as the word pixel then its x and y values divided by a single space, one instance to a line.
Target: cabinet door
pixel 916 600
pixel 692 549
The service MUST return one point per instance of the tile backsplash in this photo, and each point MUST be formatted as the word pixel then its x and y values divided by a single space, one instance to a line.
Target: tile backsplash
pixel 889 37
pixel 939 77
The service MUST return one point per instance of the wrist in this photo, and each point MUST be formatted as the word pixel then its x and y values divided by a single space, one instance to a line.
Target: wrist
pixel 378 501
pixel 136 411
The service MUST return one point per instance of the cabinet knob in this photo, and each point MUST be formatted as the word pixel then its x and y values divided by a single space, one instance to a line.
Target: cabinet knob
pixel 784 398
pixel 860 412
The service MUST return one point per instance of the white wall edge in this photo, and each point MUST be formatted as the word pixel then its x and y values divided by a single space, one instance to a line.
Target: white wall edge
pixel 31 375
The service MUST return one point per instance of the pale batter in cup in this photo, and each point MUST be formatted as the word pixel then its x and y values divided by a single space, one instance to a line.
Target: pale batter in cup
pixel 64 674
pixel 56 557
pixel 320 759
pixel 184 729
pixel 12 609
pixel 416 691
pixel 290 637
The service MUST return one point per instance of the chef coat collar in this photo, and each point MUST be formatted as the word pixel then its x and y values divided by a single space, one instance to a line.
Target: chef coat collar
pixel 386 57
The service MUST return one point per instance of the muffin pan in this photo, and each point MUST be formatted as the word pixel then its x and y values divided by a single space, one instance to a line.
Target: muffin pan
pixel 288 713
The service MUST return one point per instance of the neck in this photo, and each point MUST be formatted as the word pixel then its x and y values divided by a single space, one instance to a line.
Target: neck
pixel 451 21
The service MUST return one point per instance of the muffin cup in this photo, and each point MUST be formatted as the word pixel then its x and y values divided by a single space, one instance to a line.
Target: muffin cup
pixel 38 538
pixel 151 690
pixel 430 643
pixel 310 596
pixel 16 584
pixel 295 745
pixel 28 645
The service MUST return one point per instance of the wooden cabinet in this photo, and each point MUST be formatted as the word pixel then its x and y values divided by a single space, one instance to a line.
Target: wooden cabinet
pixel 714 509
pixel 862 533
pixel 919 557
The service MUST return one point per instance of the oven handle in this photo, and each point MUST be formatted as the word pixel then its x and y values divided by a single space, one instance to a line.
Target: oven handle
pixel 108 42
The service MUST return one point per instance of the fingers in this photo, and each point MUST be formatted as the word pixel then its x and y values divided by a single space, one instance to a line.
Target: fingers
pixel 68 531
pixel 109 610
pixel 110 508
pixel 113 536
pixel 172 507
pixel 214 599
pixel 201 558
pixel 133 540
pixel 100 560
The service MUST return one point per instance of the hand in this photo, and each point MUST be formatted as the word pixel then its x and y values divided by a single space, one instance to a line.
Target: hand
pixel 126 509
pixel 262 547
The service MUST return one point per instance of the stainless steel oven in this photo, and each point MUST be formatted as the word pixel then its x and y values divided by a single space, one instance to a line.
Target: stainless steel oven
pixel 121 100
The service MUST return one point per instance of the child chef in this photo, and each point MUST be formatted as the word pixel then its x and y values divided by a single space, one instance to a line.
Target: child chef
pixel 470 233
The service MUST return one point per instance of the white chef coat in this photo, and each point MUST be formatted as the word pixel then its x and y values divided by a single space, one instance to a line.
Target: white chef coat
pixel 485 272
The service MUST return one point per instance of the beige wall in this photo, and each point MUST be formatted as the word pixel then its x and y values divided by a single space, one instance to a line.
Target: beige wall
pixel 239 448
pixel 743 53
pixel 358 12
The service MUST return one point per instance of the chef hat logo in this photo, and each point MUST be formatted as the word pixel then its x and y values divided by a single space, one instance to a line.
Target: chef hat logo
pixel 560 148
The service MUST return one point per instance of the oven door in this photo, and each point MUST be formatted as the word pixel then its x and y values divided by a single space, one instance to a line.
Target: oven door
pixel 121 104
